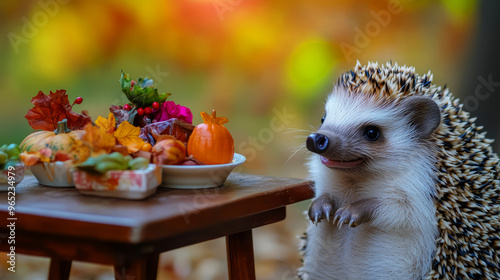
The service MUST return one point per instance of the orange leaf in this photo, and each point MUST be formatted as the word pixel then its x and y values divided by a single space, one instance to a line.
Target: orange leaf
pixel 32 158
pixel 106 125
pixel 98 140
pixel 128 135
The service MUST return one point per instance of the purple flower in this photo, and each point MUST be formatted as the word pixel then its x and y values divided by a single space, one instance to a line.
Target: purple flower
pixel 171 110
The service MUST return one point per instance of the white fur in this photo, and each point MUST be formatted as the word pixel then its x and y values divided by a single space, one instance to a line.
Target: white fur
pixel 399 242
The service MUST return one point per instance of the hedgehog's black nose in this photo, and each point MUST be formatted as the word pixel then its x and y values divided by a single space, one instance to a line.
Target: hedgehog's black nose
pixel 317 143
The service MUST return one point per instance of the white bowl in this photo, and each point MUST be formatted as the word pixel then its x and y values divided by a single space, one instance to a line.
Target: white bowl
pixel 128 184
pixel 198 176
pixel 54 174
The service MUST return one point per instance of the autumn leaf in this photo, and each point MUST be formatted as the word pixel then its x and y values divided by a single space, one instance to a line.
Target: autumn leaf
pixel 53 108
pixel 128 136
pixel 122 114
pixel 106 125
pixel 32 158
pixel 98 140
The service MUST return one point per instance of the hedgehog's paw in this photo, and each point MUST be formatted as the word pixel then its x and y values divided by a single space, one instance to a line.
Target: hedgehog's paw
pixel 322 207
pixel 355 213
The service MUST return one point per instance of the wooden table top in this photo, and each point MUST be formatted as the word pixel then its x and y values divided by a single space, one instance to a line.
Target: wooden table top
pixel 169 212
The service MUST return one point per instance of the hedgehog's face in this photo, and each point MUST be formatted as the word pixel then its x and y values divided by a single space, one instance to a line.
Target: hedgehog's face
pixel 361 134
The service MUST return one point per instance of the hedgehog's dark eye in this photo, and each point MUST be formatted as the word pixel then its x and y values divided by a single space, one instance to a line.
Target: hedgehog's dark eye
pixel 371 133
pixel 323 119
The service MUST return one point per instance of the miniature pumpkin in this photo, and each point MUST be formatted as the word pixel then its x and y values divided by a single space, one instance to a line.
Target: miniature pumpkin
pixel 211 142
pixel 60 140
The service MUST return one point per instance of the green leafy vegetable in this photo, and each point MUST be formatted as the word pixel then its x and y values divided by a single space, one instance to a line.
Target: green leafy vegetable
pixel 9 155
pixel 141 93
pixel 114 161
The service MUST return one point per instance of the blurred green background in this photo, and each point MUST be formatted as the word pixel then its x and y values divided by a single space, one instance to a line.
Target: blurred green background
pixel 265 65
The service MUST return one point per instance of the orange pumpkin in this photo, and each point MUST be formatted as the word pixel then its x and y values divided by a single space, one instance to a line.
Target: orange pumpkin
pixel 60 140
pixel 211 142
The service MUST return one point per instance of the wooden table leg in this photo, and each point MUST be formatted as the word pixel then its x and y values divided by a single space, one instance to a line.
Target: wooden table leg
pixel 59 269
pixel 152 267
pixel 139 269
pixel 240 260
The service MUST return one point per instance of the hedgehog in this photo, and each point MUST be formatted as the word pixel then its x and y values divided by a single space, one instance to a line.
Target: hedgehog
pixel 407 185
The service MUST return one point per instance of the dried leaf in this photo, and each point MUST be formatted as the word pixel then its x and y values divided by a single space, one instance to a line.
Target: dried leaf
pixel 106 125
pixel 32 158
pixel 128 135
pixel 53 108
pixel 165 129
pixel 122 115
pixel 98 140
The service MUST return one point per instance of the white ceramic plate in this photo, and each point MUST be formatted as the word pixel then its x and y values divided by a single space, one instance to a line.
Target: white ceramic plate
pixel 198 176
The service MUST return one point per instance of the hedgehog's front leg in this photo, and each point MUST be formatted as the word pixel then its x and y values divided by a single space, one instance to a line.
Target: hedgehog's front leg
pixel 355 213
pixel 322 207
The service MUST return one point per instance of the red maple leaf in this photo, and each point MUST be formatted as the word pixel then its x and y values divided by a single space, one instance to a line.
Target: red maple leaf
pixel 53 108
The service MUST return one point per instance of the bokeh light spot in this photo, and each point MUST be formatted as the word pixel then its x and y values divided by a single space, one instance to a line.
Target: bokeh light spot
pixel 459 9
pixel 310 66
pixel 60 46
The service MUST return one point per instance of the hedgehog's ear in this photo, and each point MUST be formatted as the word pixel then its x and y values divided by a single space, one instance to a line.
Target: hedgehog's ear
pixel 423 113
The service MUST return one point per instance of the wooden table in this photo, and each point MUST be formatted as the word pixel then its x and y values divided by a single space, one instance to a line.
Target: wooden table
pixel 64 225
